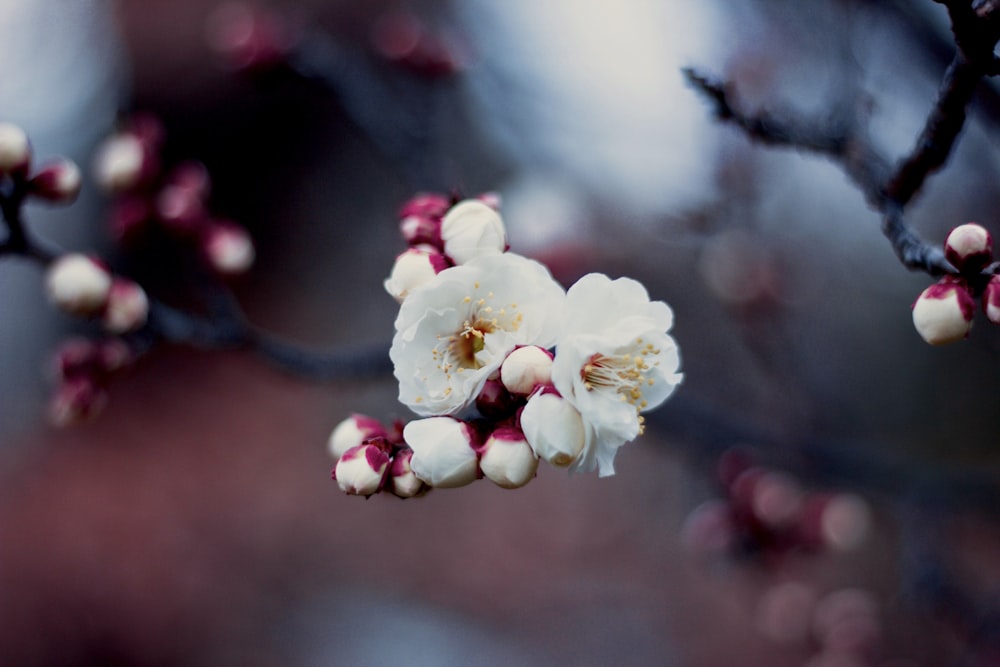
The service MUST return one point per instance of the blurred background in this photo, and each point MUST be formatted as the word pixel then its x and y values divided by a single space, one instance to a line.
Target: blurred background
pixel 194 521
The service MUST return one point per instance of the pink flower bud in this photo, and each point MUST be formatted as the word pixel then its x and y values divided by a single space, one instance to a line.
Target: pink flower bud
pixel 181 209
pixel 425 205
pixel 405 483
pixel 114 355
pixel 553 428
pixel 526 368
pixel 228 249
pixel 127 306
pixel 361 470
pixel 74 358
pixel 443 451
pixel 943 312
pixel 352 432
pixel 413 268
pixel 472 229
pixel 15 149
pixel 991 300
pixel 969 247
pixel 507 460
pixel 249 38
pixel 128 218
pixel 121 162
pixel 57 182
pixel 494 401
pixel 77 285
pixel 418 229
pixel 76 400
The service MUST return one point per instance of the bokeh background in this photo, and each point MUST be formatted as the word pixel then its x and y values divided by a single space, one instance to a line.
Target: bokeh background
pixel 194 522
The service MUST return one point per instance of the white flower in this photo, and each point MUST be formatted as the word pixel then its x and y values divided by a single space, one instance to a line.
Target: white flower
pixel 443 454
pixel 472 229
pixel 507 459
pixel 613 361
pixel 554 428
pixel 456 330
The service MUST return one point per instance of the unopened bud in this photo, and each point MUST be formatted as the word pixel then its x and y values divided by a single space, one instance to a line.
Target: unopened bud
pixel 491 199
pixel 127 306
pixel 507 460
pixel 425 205
pixel 495 402
pixel 15 149
pixel 76 400
pixel 114 355
pixel 352 432
pixel 361 470
pixel 181 209
pixel 75 357
pixel 57 182
pixel 472 229
pixel 417 229
pixel 443 451
pixel 121 162
pixel 77 285
pixel 943 312
pixel 969 247
pixel 128 218
pixel 553 428
pixel 228 249
pixel 412 269
pixel 249 38
pixel 405 483
pixel 526 368
pixel 991 300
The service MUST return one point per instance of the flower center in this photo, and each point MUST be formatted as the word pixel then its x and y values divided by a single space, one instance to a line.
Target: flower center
pixel 457 352
pixel 626 374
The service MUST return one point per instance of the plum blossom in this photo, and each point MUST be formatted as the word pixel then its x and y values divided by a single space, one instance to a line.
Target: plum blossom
pixel 614 360
pixel 453 333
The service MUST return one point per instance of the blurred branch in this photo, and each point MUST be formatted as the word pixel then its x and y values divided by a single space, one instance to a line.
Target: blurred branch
pixel 888 189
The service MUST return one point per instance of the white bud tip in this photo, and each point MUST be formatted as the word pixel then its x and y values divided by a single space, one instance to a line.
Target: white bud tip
pixel 58 182
pixel 508 461
pixel 15 149
pixel 526 368
pixel 119 162
pixel 77 285
pixel 472 229
pixel 554 429
pixel 969 247
pixel 229 250
pixel 127 307
pixel 361 469
pixel 413 268
pixel 943 313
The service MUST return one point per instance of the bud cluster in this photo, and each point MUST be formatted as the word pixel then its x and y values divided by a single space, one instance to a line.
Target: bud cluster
pixel 83 286
pixel 82 370
pixel 943 312
pixel 127 166
pixel 505 367
pixel 56 181
pixel 767 513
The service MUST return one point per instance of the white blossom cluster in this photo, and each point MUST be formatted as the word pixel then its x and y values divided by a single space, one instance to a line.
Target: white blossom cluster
pixel 503 365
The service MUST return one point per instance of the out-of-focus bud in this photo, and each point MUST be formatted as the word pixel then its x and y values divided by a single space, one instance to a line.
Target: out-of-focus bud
pixel 847 620
pixel 127 306
pixel 507 460
pixel 76 400
pixel 121 162
pixel 352 432
pixel 472 229
pixel 418 229
pixel 181 210
pixel 249 38
pixel 425 205
pixel 495 402
pixel 943 312
pixel 77 285
pixel 57 181
pixel 405 483
pixel 228 248
pixel 526 368
pixel 361 470
pixel 845 522
pixel 75 357
pixel 709 529
pixel 491 199
pixel 114 355
pixel 776 499
pixel 991 300
pixel 784 612
pixel 413 268
pixel 553 428
pixel 128 218
pixel 444 452
pixel 15 149
pixel 969 247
